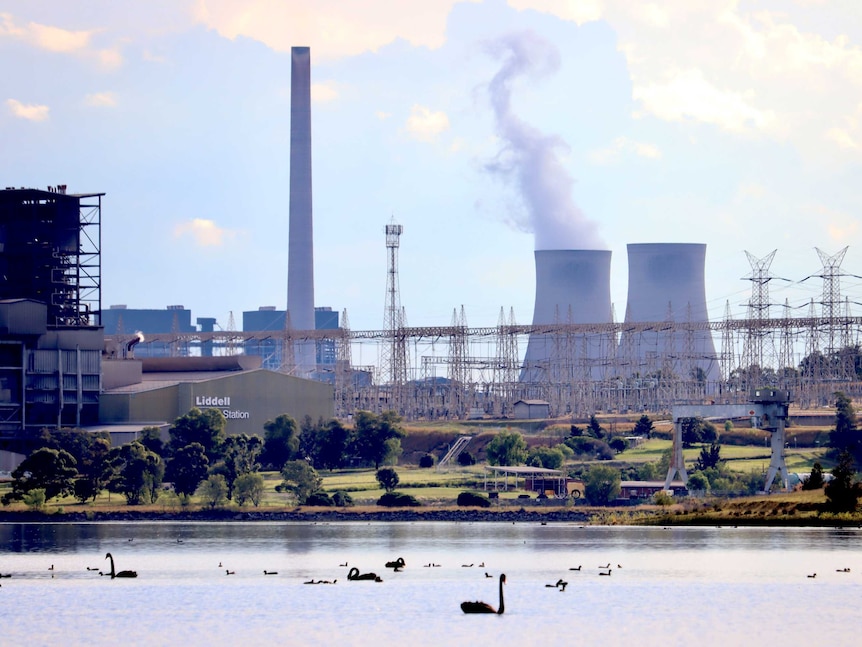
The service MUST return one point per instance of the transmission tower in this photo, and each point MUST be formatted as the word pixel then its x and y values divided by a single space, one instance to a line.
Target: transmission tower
pixel 758 311
pixel 394 352
pixel 831 302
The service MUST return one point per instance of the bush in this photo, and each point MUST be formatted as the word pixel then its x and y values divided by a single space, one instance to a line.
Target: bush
pixel 465 459
pixel 320 498
pixel 342 499
pixel 398 500
pixel 35 498
pixel 473 499
pixel 662 498
pixel 426 461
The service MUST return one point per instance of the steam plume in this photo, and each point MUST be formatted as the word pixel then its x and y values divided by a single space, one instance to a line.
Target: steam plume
pixel 529 161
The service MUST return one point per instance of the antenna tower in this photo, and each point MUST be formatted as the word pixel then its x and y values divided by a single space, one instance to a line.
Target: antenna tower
pixel 394 352
pixel 758 311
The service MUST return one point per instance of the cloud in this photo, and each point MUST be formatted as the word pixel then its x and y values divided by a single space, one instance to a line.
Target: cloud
pixel 101 100
pixel 424 125
pixel 332 28
pixel 53 39
pixel 383 116
pixel 752 72
pixel 624 146
pixel 30 112
pixel 323 92
pixel 204 233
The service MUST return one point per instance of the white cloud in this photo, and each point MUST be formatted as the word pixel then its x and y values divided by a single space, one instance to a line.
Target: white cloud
pixel 53 39
pixel 323 92
pixel 101 100
pixel 578 12
pixel 204 233
pixel 623 146
pixel 332 28
pixel 30 112
pixel 756 73
pixel 382 116
pixel 424 124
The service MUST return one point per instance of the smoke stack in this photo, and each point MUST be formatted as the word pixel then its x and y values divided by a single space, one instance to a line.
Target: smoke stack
pixel 666 282
pixel 572 286
pixel 300 259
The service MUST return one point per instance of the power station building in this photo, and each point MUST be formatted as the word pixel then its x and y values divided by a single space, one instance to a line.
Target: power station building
pixel 56 369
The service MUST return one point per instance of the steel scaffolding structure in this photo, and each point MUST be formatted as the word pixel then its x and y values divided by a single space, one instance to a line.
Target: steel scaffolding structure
pixel 481 365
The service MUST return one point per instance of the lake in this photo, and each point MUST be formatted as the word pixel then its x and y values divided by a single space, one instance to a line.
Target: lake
pixel 667 586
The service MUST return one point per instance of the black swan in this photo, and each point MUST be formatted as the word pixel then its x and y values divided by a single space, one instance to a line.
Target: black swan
pixel 354 574
pixel 270 572
pixel 121 573
pixel 398 563
pixel 484 607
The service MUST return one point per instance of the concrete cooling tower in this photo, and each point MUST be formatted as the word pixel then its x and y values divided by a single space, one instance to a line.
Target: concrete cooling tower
pixel 666 283
pixel 572 286
pixel 300 251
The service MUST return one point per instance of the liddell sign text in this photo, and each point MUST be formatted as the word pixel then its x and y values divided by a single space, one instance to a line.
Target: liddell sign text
pixel 223 403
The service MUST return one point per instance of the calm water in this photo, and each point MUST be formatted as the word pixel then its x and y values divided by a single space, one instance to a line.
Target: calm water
pixel 681 586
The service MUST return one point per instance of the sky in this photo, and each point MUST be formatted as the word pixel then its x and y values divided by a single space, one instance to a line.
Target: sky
pixel 486 128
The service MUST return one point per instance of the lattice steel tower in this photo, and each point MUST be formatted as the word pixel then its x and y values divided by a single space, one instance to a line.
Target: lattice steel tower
pixel 394 351
pixel 758 311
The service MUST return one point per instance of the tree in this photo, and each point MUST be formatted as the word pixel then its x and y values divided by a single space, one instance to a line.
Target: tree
pixel 89 450
pixel 507 448
pixel 378 438
pixel 698 482
pixel 843 491
pixel 602 484
pixel 815 479
pixel 280 441
pixel 151 438
pixel 388 478
pixel 240 455
pixel 135 472
pixel 214 490
pixel 845 435
pixel 249 487
pixel 203 427
pixel 427 461
pixel 466 459
pixel 51 470
pixel 697 430
pixel 301 479
pixel 643 427
pixel 594 428
pixel 188 468
pixel 710 456
pixel 549 457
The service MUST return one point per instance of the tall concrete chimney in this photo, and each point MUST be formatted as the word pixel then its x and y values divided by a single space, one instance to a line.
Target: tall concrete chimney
pixel 300 250
pixel 666 282
pixel 572 286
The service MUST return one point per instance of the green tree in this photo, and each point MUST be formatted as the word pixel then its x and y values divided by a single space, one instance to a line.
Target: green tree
pixel 378 438
pixel 602 484
pixel 594 428
pixel 710 456
pixel 843 491
pixel 698 482
pixel 333 441
pixel 213 490
pixel 205 427
pixel 135 472
pixel 697 430
pixel 388 478
pixel 188 468
pixel 507 448
pixel 240 454
pixel 548 457
pixel 151 438
pixel 301 479
pixel 51 470
pixel 815 479
pixel 845 435
pixel 643 427
pixel 249 487
pixel 89 450
pixel 280 441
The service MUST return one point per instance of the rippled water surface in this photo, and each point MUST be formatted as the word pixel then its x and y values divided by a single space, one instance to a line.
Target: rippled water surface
pixel 681 586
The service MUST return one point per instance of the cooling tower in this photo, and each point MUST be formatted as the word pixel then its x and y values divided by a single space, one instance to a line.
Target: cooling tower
pixel 300 250
pixel 666 283
pixel 572 286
